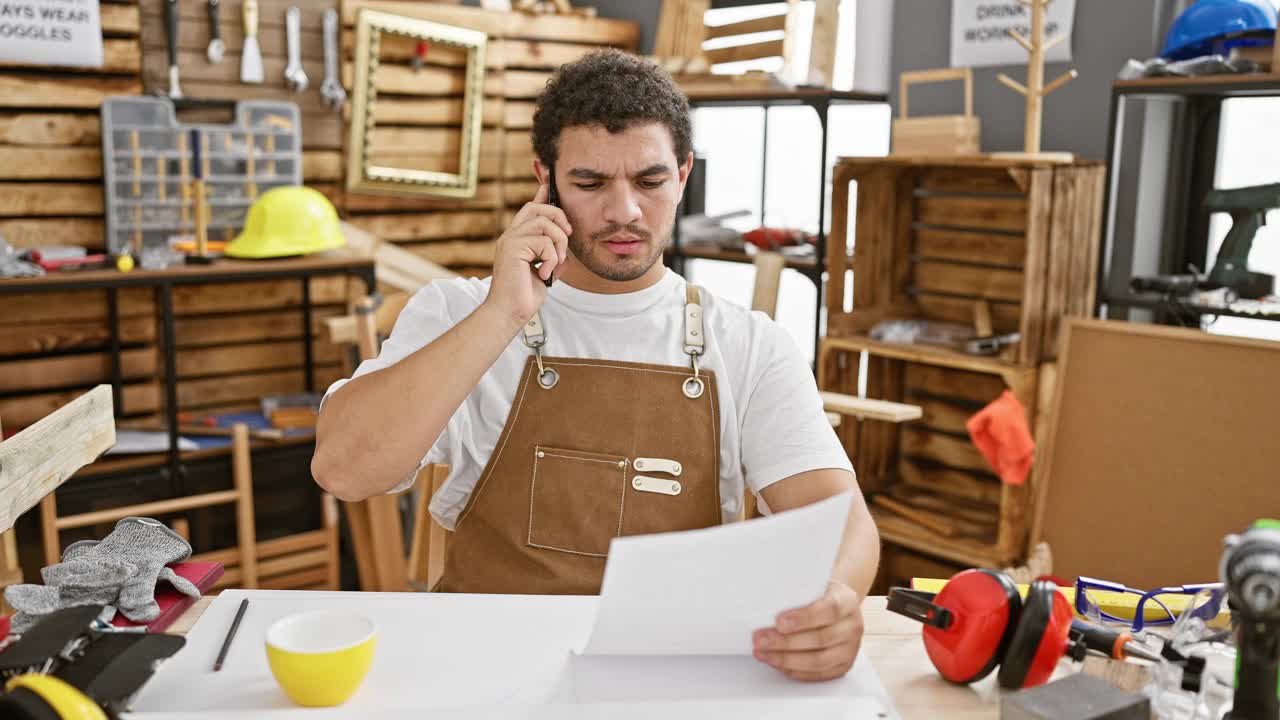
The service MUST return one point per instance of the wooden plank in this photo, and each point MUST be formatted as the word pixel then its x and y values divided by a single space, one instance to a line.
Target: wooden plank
pixel 945 416
pixel 770 23
pixel 67 232
pixel 487 197
pixel 968 180
pixel 750 51
pixel 47 163
pixel 969 280
pixel 953 483
pixel 526 84
pixel 516 193
pixel 517 115
pixel 69 91
pixel 241 388
pixel 535 54
pixel 47 337
pixel 432 111
pixel 224 360
pixel 957 453
pixel 430 225
pixel 978 388
pixel 71 370
pixel 297 580
pixel 822 43
pixel 1040 198
pixel 119 19
pixel 255 295
pixel 971 247
pixel 1005 317
pixel 191 332
pixel 489 22
pixel 321 165
pixel 869 409
pixel 987 213
pixel 1061 235
pixel 293 562
pixel 475 253
pixel 49 129
pixel 136 399
pixel 437 140
pixel 36 461
pixel 21 199
pixel 561 28
pixel 36 308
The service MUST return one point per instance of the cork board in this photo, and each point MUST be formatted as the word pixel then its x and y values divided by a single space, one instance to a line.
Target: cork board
pixel 1163 441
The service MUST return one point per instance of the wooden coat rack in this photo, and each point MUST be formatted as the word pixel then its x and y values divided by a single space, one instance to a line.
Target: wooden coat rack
pixel 1035 90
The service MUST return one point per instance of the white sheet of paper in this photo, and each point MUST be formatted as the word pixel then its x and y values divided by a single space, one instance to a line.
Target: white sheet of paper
pixel 703 592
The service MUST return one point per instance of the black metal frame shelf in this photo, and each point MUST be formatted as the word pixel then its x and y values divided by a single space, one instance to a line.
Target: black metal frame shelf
pixel 163 282
pixel 1188 179
pixel 821 100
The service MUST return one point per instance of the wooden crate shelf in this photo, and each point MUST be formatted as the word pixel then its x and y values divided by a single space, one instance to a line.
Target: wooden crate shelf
pixel 936 235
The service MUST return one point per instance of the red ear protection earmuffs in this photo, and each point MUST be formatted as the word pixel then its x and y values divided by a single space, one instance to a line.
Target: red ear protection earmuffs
pixel 979 621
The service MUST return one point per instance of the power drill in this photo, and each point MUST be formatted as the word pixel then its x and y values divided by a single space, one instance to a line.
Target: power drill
pixel 1248 207
pixel 1251 573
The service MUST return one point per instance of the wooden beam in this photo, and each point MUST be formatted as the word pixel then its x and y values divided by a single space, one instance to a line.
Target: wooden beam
pixel 769 23
pixel 119 19
pixel 750 51
pixel 321 165
pixel 50 129
pixel 458 252
pixel 72 370
pixel 868 409
pixel 37 460
pixel 118 56
pixel 428 226
pixel 71 91
pixel 50 163
pixel 66 232
pixel 23 199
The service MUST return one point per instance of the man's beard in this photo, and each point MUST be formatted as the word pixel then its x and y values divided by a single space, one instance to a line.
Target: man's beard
pixel 599 259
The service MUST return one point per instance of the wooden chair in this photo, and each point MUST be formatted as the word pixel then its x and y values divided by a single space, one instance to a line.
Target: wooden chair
pixel 241 562
pixel 377 531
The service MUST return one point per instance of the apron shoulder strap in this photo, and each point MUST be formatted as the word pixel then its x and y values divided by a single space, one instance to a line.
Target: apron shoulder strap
pixel 694 339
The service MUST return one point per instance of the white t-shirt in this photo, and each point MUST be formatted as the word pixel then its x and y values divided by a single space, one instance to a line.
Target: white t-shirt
pixel 773 423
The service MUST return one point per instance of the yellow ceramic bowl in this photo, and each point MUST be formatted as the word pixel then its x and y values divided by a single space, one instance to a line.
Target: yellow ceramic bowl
pixel 320 658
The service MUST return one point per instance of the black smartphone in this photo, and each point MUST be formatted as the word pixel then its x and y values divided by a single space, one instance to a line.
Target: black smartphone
pixel 553 198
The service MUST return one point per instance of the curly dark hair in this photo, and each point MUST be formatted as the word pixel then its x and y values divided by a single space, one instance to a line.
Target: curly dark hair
pixel 612 89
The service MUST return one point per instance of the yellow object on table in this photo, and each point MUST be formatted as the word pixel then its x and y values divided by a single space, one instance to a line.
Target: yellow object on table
pixel 321 658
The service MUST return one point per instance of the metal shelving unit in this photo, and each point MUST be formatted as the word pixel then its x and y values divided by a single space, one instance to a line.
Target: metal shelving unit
pixel 1192 128
pixel 821 100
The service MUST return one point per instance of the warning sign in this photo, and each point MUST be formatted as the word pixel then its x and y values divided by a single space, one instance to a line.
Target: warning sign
pixel 979 31
pixel 51 32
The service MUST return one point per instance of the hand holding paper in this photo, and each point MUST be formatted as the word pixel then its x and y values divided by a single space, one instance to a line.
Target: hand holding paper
pixel 704 592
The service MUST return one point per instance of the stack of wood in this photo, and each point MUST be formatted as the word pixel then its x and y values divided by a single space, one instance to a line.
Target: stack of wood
pixel 419 115
pixel 1007 245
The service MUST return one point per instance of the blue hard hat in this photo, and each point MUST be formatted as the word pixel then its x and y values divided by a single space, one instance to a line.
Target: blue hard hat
pixel 1215 26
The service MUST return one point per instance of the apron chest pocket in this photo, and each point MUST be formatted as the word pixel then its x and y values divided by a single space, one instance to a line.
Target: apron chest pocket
pixel 575 500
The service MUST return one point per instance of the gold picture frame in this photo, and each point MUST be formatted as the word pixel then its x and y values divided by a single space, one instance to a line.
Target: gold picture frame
pixel 365 176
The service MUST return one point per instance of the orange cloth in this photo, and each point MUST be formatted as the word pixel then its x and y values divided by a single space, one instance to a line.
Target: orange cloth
pixel 1001 433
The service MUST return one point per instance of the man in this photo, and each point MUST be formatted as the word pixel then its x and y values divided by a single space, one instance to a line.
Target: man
pixel 584 391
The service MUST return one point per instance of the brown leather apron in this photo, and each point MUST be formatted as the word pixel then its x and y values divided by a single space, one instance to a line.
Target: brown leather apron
pixel 592 450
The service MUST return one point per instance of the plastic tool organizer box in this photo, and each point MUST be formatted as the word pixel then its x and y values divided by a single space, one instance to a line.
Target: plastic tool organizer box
pixel 148 165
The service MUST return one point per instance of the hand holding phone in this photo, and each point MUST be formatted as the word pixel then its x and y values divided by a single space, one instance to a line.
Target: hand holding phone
pixel 532 248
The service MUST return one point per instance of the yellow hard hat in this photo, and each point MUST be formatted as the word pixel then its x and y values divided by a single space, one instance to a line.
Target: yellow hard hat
pixel 61 697
pixel 289 220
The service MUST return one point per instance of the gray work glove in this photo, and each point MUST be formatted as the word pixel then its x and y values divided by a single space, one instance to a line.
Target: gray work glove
pixel 99 587
pixel 142 543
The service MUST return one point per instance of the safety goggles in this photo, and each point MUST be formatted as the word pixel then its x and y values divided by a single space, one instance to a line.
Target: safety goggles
pixel 1161 606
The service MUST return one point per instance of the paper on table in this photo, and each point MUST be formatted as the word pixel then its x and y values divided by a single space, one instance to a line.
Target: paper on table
pixel 703 592
pixel 130 442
